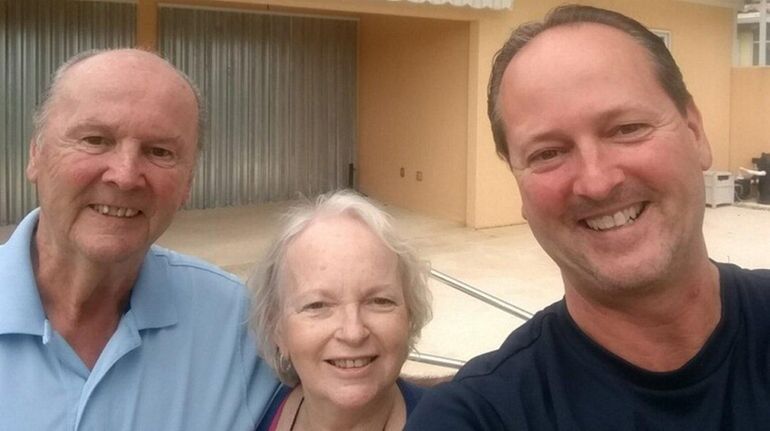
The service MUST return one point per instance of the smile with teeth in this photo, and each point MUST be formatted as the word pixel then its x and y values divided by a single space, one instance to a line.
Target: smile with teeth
pixel 351 363
pixel 114 211
pixel 621 218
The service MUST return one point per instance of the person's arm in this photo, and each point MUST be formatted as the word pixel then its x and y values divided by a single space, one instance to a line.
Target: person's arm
pixel 451 406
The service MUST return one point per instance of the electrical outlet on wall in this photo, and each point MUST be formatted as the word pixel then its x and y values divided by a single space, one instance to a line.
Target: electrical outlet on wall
pixel 419 175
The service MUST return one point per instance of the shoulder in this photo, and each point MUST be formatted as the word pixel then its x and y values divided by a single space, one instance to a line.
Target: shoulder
pixel 14 253
pixel 733 274
pixel 751 287
pixel 491 391
pixel 411 393
pixel 16 248
pixel 517 354
pixel 192 279
pixel 275 407
pixel 179 263
pixel 199 291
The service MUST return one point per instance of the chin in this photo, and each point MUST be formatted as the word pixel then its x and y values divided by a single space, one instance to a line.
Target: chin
pixel 355 397
pixel 632 277
pixel 629 273
pixel 109 247
pixel 112 253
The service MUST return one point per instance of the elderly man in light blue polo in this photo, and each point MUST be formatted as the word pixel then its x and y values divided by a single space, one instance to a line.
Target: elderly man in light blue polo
pixel 99 329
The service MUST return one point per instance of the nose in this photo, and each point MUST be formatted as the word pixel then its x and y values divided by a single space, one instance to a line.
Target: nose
pixel 124 168
pixel 352 328
pixel 598 174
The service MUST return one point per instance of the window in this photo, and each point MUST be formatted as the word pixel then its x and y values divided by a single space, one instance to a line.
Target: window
pixel 752 32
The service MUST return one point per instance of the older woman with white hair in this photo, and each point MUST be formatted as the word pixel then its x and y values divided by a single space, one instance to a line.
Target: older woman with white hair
pixel 338 302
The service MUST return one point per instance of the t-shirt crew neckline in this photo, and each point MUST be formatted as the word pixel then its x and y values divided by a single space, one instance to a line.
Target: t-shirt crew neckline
pixel 713 353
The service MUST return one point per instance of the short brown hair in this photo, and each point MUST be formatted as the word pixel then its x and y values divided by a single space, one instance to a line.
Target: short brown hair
pixel 666 70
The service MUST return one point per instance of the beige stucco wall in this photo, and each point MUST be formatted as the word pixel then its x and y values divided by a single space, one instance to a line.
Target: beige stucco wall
pixel 750 104
pixel 413 96
pixel 421 127
pixel 701 43
pixel 413 110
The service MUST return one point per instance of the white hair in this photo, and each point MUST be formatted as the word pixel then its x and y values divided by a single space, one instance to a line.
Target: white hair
pixel 266 281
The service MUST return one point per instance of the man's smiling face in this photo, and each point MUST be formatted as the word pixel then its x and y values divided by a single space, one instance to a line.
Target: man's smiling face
pixel 115 156
pixel 610 171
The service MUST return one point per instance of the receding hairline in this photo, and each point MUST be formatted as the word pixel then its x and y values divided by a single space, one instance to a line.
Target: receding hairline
pixel 315 224
pixel 564 27
pixel 69 69
pixel 143 59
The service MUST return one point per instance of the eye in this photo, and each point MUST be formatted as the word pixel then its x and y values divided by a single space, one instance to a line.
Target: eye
pixel 96 141
pixel 382 302
pixel 161 155
pixel 545 158
pixel 631 130
pixel 314 306
pixel 94 144
pixel 160 152
pixel 546 154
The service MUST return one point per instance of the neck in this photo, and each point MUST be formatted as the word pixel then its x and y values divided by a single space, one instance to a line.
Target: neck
pixel 659 330
pixel 381 413
pixel 83 300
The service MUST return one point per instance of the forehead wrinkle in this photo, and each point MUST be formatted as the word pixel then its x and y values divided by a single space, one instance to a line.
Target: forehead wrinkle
pixel 148 79
pixel 148 72
pixel 315 246
pixel 519 81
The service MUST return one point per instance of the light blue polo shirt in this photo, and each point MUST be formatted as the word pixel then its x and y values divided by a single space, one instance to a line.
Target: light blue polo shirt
pixel 181 357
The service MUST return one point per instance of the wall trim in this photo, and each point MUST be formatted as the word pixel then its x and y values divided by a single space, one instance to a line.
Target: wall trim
pixel 256 11
pixel 732 4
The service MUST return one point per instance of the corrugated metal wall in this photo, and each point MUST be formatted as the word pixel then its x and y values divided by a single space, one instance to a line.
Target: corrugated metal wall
pixel 281 95
pixel 280 92
pixel 35 37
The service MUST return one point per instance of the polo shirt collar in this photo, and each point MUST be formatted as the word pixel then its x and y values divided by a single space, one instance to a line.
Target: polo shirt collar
pixel 21 310
pixel 152 299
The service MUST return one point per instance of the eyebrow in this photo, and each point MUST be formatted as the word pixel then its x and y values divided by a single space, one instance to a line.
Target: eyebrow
pixel 379 288
pixel 606 116
pixel 104 128
pixel 83 126
pixel 325 291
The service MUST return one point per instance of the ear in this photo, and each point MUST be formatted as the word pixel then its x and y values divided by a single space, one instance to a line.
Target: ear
pixel 187 190
pixel 508 162
pixel 278 338
pixel 32 164
pixel 521 197
pixel 700 141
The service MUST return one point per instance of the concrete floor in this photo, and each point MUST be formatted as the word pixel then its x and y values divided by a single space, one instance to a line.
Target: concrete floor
pixel 506 262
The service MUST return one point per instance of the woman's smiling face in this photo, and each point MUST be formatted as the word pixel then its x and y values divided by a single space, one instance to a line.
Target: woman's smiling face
pixel 344 324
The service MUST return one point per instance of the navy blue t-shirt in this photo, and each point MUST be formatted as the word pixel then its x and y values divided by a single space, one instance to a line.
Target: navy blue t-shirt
pixel 548 375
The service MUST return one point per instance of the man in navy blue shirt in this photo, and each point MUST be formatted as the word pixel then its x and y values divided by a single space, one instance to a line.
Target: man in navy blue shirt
pixel 607 146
